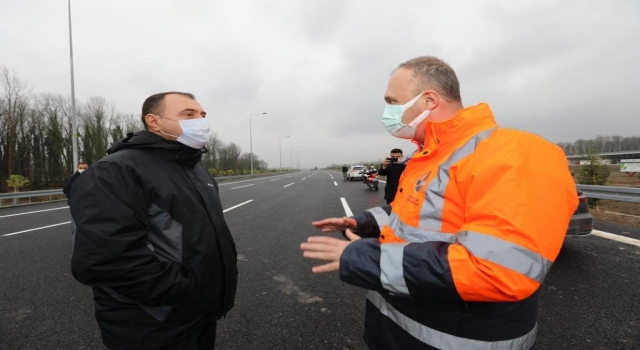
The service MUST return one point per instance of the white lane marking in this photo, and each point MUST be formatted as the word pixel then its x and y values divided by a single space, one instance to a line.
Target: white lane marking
pixel 288 184
pixel 347 210
pixel 37 228
pixel 241 186
pixel 33 212
pixel 335 183
pixel 618 238
pixel 237 182
pixel 239 205
pixel 275 179
pixel 382 181
pixel 304 178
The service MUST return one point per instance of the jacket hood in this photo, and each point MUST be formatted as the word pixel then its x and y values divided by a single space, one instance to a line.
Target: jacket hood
pixel 148 141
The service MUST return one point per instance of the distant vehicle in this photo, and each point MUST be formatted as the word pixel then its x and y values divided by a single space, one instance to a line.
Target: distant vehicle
pixel 356 172
pixel 315 168
pixel 581 223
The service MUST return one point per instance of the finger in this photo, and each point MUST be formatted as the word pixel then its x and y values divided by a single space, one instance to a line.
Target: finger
pixel 330 267
pixel 322 255
pixel 352 236
pixel 323 240
pixel 328 221
pixel 350 221
pixel 317 247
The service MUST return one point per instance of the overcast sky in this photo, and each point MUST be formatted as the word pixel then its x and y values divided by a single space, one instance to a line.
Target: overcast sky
pixel 561 69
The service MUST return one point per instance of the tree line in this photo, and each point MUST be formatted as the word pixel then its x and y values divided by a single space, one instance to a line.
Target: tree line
pixel 36 136
pixel 601 144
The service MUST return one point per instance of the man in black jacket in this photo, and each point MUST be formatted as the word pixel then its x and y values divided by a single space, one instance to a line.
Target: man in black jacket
pixel 150 236
pixel 392 169
pixel 82 166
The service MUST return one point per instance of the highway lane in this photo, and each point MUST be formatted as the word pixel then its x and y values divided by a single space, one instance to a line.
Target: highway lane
pixel 590 299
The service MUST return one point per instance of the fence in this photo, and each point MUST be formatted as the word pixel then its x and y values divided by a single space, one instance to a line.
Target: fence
pixel 625 194
pixel 15 196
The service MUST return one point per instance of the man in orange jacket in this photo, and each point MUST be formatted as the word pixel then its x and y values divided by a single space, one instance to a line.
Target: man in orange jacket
pixel 480 215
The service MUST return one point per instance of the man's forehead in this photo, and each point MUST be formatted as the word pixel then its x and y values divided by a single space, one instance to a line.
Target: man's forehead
pixel 181 102
pixel 399 84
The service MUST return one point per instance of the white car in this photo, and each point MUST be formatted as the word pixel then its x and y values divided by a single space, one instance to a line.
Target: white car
pixel 356 172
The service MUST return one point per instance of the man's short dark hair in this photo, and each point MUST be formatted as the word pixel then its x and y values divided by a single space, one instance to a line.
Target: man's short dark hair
pixel 396 150
pixel 153 103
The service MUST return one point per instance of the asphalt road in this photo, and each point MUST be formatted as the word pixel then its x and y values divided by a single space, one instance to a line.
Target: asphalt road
pixel 590 299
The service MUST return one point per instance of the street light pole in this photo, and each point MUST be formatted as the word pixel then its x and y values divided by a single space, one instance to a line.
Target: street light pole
pixel 251 139
pixel 74 118
pixel 280 144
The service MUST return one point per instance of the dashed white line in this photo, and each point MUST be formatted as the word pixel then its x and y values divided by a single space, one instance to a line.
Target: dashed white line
pixel 241 186
pixel 239 205
pixel 335 183
pixel 382 181
pixel 617 238
pixel 347 210
pixel 37 228
pixel 288 184
pixel 32 212
pixel 303 178
pixel 274 179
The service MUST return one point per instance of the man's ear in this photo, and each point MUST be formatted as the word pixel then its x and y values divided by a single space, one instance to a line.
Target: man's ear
pixel 432 100
pixel 152 122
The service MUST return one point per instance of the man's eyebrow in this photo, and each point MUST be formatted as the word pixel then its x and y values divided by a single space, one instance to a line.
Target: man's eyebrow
pixel 192 110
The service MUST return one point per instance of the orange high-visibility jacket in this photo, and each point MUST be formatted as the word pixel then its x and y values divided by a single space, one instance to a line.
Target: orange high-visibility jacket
pixel 480 215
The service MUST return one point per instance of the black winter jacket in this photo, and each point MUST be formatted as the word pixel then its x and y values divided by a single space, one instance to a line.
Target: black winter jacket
pixel 393 172
pixel 151 239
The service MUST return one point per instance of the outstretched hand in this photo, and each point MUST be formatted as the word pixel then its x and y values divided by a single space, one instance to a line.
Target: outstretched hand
pixel 328 249
pixel 335 224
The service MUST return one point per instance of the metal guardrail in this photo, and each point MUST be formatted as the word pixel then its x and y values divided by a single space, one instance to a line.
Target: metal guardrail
pixel 14 196
pixel 625 194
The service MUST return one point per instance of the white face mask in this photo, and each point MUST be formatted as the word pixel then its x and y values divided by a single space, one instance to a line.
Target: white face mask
pixel 195 132
pixel 81 170
pixel 392 119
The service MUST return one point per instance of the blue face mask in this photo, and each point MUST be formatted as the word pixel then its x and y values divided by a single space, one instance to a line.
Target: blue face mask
pixel 392 119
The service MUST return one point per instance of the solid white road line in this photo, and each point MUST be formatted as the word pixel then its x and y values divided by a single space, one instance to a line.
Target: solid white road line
pixel 32 212
pixel 288 184
pixel 239 205
pixel 335 183
pixel 237 182
pixel 347 210
pixel 618 238
pixel 241 186
pixel 275 179
pixel 37 228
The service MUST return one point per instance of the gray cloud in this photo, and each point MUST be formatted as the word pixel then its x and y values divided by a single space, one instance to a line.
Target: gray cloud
pixel 564 70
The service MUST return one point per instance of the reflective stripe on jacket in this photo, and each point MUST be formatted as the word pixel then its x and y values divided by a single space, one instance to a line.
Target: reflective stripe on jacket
pixel 479 217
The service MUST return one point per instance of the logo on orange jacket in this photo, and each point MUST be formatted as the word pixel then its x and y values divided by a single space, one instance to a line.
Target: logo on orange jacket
pixel 422 181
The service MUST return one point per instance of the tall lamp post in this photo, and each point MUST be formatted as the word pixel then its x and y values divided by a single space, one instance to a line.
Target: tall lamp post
pixel 74 118
pixel 251 138
pixel 280 145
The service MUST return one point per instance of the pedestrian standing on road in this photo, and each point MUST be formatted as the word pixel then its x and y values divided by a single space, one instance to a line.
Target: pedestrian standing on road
pixel 150 236
pixel 82 166
pixel 479 217
pixel 392 169
pixel 344 172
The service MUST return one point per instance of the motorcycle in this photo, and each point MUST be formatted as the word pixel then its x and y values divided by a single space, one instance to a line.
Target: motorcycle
pixel 371 179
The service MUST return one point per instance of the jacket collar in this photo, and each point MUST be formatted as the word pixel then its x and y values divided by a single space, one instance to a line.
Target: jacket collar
pixel 468 122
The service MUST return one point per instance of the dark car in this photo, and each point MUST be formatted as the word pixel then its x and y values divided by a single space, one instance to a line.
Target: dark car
pixel 581 223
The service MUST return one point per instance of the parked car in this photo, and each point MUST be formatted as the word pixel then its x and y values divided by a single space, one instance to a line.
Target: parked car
pixel 356 172
pixel 581 223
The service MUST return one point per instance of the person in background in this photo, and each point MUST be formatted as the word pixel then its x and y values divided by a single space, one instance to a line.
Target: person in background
pixel 72 178
pixel 392 168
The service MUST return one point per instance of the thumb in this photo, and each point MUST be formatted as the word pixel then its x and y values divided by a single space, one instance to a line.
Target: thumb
pixel 352 236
